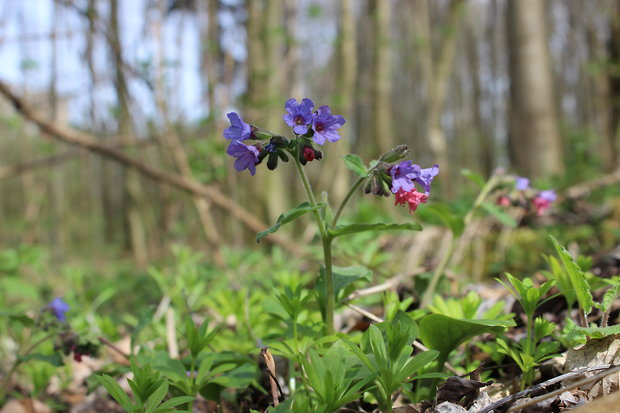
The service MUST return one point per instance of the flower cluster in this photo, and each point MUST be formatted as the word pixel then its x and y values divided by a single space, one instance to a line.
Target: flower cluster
pixel 404 177
pixel 526 195
pixel 310 128
pixel 401 179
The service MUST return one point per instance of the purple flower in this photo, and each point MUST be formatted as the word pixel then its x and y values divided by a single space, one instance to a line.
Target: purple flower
pixel 548 195
pixel 522 183
pixel 403 175
pixel 247 156
pixel 299 115
pixel 325 125
pixel 426 176
pixel 238 129
pixel 59 308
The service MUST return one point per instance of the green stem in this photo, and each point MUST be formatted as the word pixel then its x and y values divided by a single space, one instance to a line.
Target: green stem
pixel 447 256
pixel 304 179
pixel 439 270
pixel 327 249
pixel 346 199
pixel 329 286
pixel 192 369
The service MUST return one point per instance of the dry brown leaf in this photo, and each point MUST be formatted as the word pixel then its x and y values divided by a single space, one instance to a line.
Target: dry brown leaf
pixel 25 406
pixel 596 352
pixel 607 404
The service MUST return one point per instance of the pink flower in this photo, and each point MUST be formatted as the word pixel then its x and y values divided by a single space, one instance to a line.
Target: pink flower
pixel 503 201
pixel 543 201
pixel 413 198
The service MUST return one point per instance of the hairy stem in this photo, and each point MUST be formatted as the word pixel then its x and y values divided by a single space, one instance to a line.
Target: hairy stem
pixel 327 249
pixel 346 199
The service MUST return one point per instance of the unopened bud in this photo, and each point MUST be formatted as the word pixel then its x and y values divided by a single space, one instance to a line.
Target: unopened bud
pixel 395 154
pixel 272 162
pixel 261 134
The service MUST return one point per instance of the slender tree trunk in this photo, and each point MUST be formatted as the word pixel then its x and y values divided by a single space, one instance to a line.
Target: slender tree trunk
pixel 273 41
pixel 440 75
pixel 612 144
pixel 535 142
pixel 137 231
pixel 382 123
pixel 486 146
pixel 345 98
pixel 173 143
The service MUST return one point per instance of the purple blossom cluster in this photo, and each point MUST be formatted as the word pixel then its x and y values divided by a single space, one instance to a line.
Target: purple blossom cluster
pixel 320 125
pixel 404 177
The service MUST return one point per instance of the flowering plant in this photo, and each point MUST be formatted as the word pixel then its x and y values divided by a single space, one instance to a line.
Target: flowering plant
pixel 527 197
pixel 312 129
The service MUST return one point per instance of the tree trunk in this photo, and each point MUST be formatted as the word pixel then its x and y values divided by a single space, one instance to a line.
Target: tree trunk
pixel 345 99
pixel 535 142
pixel 612 144
pixel 134 192
pixel 382 123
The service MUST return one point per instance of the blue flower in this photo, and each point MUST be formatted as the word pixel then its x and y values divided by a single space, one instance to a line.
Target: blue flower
pixel 247 156
pixel 238 129
pixel 59 308
pixel 426 176
pixel 299 116
pixel 522 183
pixel 403 175
pixel 548 195
pixel 325 124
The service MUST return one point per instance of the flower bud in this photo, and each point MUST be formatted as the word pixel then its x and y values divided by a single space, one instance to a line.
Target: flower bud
pixel 260 134
pixel 395 154
pixel 272 162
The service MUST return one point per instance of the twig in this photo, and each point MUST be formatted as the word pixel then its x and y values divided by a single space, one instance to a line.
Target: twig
pixel 513 397
pixel 108 343
pixel 271 369
pixel 189 185
pixel 171 334
pixel 584 189
pixel 387 285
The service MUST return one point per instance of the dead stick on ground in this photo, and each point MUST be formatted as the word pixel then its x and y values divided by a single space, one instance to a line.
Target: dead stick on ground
pixel 87 141
pixel 113 347
pixel 271 370
pixel 541 386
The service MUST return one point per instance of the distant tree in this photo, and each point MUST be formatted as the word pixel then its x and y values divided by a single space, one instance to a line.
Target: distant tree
pixel 535 142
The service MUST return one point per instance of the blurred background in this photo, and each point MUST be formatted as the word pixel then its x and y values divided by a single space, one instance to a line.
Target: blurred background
pixel 529 86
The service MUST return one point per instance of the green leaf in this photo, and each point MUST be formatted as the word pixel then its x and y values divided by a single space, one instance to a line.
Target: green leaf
pixel 22 319
pixel 474 177
pixel 577 277
pixel 238 378
pixel 445 333
pixel 343 277
pixel 451 219
pixel 609 297
pixel 499 214
pixel 115 390
pixel 156 397
pixel 287 217
pixel 53 359
pixel 378 345
pixel 599 332
pixel 416 363
pixel 355 164
pixel 355 228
